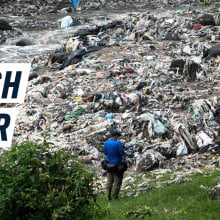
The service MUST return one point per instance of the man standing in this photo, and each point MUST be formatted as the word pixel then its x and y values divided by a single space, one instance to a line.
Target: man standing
pixel 114 151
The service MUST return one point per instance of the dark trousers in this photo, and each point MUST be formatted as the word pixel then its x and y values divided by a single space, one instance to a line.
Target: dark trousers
pixel 114 182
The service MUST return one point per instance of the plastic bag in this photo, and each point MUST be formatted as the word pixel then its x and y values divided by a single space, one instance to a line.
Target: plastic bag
pixel 159 127
pixel 66 21
pixel 182 149
pixel 203 139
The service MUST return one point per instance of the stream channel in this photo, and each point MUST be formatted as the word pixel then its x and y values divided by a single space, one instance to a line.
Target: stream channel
pixel 48 39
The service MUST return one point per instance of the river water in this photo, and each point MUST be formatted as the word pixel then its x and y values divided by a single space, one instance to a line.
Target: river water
pixel 45 41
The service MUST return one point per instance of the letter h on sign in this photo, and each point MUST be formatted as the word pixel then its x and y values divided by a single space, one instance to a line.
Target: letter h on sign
pixel 13 83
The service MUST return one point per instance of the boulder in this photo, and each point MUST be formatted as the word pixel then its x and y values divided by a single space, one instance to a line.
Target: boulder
pixel 23 43
pixel 214 51
pixel 205 20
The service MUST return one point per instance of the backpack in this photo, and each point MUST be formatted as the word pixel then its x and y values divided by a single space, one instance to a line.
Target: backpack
pixel 122 168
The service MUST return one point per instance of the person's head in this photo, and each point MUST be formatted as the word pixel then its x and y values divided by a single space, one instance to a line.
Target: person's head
pixel 115 134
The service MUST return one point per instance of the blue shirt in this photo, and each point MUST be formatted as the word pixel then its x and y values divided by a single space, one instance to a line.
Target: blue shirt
pixel 114 151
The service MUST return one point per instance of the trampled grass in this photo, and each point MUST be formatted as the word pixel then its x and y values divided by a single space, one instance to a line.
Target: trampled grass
pixel 197 199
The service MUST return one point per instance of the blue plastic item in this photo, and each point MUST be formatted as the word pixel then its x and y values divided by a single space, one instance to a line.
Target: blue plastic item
pixel 110 116
pixel 75 2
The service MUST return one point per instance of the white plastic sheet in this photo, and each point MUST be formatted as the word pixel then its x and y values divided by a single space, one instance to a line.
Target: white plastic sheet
pixel 182 149
pixel 203 139
pixel 66 21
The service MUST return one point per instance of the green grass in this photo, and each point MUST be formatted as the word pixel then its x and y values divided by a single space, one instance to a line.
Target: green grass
pixel 194 200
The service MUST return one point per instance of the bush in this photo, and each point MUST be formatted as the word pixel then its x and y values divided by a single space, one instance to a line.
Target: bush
pixel 37 183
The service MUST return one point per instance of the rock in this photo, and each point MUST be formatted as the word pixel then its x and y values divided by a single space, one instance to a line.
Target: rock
pixel 32 76
pixel 214 51
pixel 206 19
pixel 23 43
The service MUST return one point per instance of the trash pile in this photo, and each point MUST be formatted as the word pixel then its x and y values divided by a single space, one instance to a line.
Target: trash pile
pixel 29 8
pixel 153 76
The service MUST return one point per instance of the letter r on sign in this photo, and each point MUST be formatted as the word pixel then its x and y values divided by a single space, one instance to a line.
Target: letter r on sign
pixel 7 124
pixel 4 126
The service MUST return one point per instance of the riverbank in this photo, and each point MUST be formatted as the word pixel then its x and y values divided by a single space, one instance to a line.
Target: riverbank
pixel 197 198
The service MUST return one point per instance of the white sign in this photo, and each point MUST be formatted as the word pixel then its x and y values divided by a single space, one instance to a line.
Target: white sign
pixel 13 84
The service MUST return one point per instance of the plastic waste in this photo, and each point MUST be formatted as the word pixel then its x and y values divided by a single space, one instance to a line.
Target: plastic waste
pixel 217 61
pixel 78 99
pixel 179 11
pixel 66 21
pixel 182 149
pixel 187 50
pixel 149 160
pixel 110 116
pixel 213 38
pixel 197 27
pixel 212 123
pixel 74 114
pixel 169 21
pixel 80 92
pixel 153 57
pixel 34 68
pixel 197 60
pixel 198 116
pixel 158 126
pixel 203 139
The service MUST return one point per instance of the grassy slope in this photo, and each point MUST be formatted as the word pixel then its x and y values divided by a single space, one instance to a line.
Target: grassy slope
pixel 190 200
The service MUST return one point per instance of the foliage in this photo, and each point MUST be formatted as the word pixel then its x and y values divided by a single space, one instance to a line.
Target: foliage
pixel 140 212
pixel 206 2
pixel 38 183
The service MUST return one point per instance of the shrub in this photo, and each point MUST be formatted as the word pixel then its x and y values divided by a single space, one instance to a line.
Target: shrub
pixel 206 2
pixel 38 183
